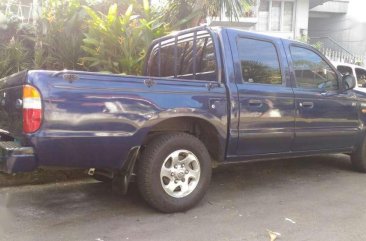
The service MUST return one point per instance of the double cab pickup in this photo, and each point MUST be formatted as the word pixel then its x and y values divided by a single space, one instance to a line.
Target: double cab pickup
pixel 209 96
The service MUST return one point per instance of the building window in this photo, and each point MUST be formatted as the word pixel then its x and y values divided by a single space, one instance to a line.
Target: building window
pixel 263 16
pixel 275 15
pixel 288 16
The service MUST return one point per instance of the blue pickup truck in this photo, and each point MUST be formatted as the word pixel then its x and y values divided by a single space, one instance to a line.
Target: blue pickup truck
pixel 209 96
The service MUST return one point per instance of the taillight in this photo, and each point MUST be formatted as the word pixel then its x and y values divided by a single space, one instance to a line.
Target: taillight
pixel 32 109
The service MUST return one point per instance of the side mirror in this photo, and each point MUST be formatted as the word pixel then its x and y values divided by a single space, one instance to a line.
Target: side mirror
pixel 348 82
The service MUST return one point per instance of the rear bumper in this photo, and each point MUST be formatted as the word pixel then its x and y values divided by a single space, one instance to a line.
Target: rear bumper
pixel 15 158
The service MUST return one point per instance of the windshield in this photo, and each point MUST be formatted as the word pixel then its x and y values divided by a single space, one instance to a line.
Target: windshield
pixel 344 70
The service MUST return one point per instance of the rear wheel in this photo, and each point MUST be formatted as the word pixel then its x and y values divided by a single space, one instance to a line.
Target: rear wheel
pixel 358 158
pixel 174 172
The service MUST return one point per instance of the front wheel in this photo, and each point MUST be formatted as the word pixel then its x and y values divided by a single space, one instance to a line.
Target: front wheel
pixel 174 172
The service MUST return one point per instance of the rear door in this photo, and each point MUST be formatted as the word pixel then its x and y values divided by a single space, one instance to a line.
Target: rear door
pixel 326 117
pixel 266 98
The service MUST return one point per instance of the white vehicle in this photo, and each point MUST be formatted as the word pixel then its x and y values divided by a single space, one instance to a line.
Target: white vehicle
pixel 357 71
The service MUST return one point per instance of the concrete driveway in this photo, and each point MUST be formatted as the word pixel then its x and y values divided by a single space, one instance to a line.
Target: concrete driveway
pixel 317 198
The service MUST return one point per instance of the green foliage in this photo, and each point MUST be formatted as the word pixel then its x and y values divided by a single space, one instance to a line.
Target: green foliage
pixel 14 57
pixel 8 27
pixel 305 39
pixel 69 35
pixel 11 26
pixel 233 8
pixel 61 33
pixel 116 42
pixel 16 45
pixel 318 45
pixel 181 14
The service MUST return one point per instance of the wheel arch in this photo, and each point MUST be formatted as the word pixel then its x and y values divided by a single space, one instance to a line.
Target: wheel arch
pixel 211 136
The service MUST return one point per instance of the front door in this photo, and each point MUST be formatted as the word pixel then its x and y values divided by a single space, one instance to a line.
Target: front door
pixel 266 122
pixel 326 118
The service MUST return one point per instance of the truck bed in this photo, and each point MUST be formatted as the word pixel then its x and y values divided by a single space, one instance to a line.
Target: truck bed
pixel 93 120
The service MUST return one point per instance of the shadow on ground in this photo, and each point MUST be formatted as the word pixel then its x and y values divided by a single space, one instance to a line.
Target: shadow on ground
pixel 244 176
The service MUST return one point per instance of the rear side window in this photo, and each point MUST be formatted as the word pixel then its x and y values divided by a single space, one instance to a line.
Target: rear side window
pixel 259 62
pixel 344 70
pixel 361 77
pixel 311 71
pixel 186 58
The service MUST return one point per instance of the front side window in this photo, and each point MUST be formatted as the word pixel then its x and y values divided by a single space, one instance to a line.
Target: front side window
pixel 311 71
pixel 259 62
pixel 361 77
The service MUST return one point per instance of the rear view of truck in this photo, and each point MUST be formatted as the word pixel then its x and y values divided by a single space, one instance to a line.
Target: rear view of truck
pixel 20 115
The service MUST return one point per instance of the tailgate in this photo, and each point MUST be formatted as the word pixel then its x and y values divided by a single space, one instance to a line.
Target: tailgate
pixel 11 112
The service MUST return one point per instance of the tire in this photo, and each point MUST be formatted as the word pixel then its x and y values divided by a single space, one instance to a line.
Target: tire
pixel 358 158
pixel 187 158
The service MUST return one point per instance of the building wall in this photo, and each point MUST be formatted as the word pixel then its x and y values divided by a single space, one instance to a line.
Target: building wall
pixel 300 22
pixel 301 18
pixel 349 29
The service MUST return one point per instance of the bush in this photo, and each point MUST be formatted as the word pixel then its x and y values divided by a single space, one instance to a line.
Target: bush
pixel 14 57
pixel 60 35
pixel 70 35
pixel 16 45
pixel 116 42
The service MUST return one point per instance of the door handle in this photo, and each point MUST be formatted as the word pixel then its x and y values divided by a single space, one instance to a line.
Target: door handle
pixel 255 103
pixel 309 105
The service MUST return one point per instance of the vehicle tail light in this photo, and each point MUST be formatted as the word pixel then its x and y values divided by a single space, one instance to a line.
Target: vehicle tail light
pixel 32 109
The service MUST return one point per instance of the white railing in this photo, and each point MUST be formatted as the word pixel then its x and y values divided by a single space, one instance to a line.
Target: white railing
pixel 342 57
pixel 22 11
pixel 336 52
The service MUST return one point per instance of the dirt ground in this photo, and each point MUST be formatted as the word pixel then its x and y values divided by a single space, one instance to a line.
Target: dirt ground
pixel 41 176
